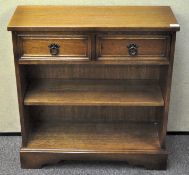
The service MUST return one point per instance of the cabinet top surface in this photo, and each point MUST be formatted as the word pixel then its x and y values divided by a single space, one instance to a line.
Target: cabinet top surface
pixel 58 18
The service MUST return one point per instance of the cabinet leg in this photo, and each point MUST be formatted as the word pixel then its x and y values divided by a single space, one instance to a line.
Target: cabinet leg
pixel 150 162
pixel 37 160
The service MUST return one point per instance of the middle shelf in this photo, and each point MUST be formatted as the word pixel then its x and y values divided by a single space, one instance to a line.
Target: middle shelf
pixel 94 92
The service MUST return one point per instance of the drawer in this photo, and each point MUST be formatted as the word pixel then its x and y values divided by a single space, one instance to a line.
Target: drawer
pixel 132 46
pixel 55 46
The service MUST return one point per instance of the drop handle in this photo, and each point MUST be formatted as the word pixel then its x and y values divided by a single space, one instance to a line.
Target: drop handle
pixel 54 49
pixel 132 49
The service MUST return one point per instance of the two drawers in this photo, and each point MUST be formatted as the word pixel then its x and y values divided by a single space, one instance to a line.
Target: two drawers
pixel 95 47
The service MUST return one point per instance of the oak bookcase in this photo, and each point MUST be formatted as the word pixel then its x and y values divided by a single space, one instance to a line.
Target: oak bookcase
pixel 93 82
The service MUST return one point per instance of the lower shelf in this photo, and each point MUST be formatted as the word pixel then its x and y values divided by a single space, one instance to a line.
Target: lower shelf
pixel 95 136
pixel 135 143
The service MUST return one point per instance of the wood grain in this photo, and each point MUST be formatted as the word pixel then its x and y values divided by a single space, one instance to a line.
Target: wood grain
pixel 97 71
pixel 102 61
pixel 98 137
pixel 58 18
pixel 21 82
pixel 69 47
pixel 150 159
pixel 94 113
pixel 116 46
pixel 165 81
pixel 95 93
pixel 93 101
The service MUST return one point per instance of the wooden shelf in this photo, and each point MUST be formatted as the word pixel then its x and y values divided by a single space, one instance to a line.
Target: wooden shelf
pixel 94 92
pixel 94 136
pixel 112 61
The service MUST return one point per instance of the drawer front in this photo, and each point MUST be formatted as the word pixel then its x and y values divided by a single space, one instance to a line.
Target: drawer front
pixel 61 46
pixel 135 46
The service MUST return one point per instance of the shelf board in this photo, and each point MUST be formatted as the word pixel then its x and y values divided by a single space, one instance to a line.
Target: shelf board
pixel 104 61
pixel 94 136
pixel 93 93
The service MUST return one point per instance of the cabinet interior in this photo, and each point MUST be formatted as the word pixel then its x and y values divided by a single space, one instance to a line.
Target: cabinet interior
pixel 67 98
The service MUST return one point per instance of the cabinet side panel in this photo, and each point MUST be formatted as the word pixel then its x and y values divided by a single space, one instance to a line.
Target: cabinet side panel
pixel 21 88
pixel 165 82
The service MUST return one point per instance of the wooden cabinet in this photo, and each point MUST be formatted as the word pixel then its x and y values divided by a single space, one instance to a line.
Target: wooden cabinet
pixel 93 82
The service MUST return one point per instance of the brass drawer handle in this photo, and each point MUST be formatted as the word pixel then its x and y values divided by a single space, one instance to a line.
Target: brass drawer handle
pixel 54 49
pixel 132 49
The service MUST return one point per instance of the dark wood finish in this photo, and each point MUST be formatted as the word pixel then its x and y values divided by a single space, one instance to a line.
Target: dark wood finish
pixel 94 113
pixel 109 61
pixel 91 141
pixel 102 92
pixel 80 71
pixel 69 47
pixel 93 93
pixel 34 158
pixel 165 81
pixel 154 47
pixel 90 136
pixel 21 82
